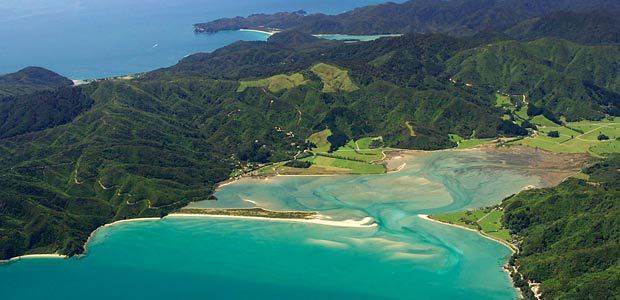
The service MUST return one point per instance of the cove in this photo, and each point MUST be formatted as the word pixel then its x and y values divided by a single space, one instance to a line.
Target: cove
pixel 404 257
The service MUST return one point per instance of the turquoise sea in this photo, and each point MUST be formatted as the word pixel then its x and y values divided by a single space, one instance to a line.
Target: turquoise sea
pixel 84 39
pixel 405 257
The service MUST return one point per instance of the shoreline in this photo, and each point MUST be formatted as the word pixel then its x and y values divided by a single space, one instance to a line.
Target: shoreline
pixel 506 268
pixel 30 256
pixel 56 255
pixel 366 222
pixel 92 234
pixel 260 31
pixel 363 223
pixel 320 35
pixel 353 36
pixel 508 245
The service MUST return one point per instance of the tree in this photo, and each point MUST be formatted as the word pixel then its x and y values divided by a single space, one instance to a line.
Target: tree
pixel 553 134
pixel 603 137
pixel 528 124
pixel 298 164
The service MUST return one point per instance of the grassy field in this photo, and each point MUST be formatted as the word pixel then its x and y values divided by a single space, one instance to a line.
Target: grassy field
pixel 364 143
pixel 464 218
pixel 274 83
pixel 351 166
pixel 320 140
pixel 468 144
pixel 491 224
pixel 359 150
pixel 487 220
pixel 503 101
pixel 334 79
pixel 575 137
pixel 519 113
pixel 356 157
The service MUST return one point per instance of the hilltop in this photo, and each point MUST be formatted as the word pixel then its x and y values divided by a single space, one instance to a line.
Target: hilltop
pixel 29 80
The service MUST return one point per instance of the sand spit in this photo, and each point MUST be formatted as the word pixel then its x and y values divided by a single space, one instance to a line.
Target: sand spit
pixel 366 222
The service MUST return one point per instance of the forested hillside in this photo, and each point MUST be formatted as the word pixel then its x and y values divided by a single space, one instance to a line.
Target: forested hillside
pixel 39 110
pixel 592 27
pixel 460 17
pixel 569 236
pixel 29 80
pixel 575 81
pixel 571 80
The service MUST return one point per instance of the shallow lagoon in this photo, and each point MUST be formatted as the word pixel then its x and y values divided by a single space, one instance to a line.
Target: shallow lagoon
pixel 405 257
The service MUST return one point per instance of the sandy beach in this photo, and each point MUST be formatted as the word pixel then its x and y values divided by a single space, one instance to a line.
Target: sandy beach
pixel 366 222
pixel 261 31
pixel 28 256
pixel 350 35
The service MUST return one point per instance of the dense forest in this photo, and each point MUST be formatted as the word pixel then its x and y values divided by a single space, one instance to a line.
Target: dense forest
pixel 568 235
pixel 591 27
pixel 457 17
pixel 575 81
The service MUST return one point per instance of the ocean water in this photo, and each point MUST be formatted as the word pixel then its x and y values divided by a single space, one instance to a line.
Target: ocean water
pixel 405 257
pixel 84 39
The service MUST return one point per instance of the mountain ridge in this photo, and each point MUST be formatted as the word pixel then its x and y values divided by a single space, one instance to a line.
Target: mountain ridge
pixel 458 17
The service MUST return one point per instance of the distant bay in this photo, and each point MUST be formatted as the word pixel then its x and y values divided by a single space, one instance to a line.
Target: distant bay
pixel 85 39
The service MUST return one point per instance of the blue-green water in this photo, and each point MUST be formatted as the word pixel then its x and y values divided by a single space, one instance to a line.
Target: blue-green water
pixel 405 257
pixel 84 39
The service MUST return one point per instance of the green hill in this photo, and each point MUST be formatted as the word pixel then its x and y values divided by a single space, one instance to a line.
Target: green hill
pixel 592 27
pixel 29 80
pixel 569 236
pixel 575 81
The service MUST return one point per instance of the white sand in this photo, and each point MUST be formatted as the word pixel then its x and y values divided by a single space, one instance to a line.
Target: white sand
pixel 35 256
pixel 249 201
pixel 79 82
pixel 426 217
pixel 272 32
pixel 367 222
pixel 328 243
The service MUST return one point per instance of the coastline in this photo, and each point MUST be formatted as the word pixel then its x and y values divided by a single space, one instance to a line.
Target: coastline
pixel 92 234
pixel 513 249
pixel 56 255
pixel 272 32
pixel 508 245
pixel 30 256
pixel 353 37
pixel 366 222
